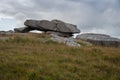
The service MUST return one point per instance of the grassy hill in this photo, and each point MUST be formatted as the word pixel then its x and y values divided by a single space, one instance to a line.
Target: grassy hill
pixel 36 57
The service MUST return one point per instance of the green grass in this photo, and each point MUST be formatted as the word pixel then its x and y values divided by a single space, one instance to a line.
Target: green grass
pixel 36 57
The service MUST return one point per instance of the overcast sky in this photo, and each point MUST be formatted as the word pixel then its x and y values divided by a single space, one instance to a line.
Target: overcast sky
pixel 99 16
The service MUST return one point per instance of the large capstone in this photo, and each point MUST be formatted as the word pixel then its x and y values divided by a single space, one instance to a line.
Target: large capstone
pixel 43 25
pixel 65 29
pixel 100 39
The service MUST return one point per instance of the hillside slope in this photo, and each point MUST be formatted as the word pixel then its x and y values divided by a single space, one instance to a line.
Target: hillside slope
pixel 36 57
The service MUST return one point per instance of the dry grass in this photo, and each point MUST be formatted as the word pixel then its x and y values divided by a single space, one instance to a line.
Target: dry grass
pixel 36 57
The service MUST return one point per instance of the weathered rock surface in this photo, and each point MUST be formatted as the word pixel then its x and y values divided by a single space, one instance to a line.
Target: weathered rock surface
pixel 22 29
pixel 65 27
pixel 100 39
pixel 45 25
pixel 42 25
pixel 68 41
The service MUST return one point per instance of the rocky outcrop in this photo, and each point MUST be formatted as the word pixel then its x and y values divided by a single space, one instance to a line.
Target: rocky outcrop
pixel 58 26
pixel 6 32
pixel 68 41
pixel 100 39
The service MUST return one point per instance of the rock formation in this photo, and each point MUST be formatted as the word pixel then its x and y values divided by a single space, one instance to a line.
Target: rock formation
pixel 64 29
pixel 68 41
pixel 6 32
pixel 100 39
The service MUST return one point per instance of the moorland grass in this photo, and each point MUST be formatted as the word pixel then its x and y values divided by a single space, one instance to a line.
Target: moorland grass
pixel 36 57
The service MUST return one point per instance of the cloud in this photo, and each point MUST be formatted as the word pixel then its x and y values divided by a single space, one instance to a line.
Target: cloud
pixel 102 16
pixel 20 19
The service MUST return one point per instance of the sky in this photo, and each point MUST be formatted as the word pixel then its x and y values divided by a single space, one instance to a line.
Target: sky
pixel 96 16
